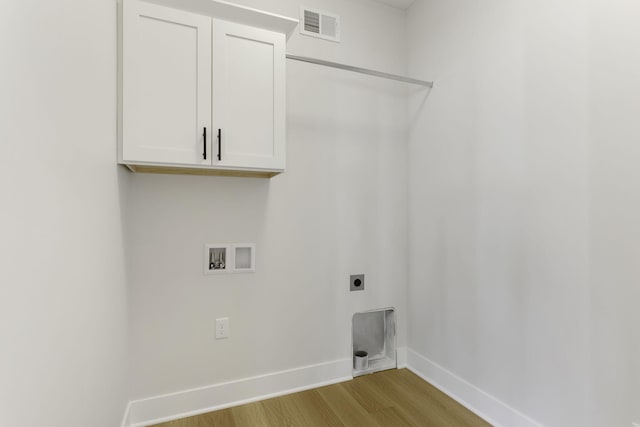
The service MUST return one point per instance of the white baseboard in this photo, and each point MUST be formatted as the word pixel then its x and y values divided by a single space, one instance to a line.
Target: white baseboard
pixel 125 418
pixel 401 357
pixel 186 403
pixel 486 406
pixel 158 409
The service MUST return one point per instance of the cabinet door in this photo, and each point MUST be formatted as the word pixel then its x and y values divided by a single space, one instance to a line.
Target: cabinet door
pixel 249 96
pixel 166 85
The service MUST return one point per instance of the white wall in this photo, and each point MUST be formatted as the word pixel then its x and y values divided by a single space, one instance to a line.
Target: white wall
pixel 615 211
pixel 339 209
pixel 524 205
pixel 62 292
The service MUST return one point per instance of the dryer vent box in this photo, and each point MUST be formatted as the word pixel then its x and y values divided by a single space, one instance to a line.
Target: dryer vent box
pixel 316 23
pixel 374 332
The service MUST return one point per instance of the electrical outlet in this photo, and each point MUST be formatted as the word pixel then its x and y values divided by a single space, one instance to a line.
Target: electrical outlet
pixel 222 328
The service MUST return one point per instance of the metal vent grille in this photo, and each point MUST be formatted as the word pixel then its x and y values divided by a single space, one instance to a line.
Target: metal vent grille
pixel 312 21
pixel 320 24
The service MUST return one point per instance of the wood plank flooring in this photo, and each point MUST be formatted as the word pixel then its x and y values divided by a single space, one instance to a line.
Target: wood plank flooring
pixel 394 398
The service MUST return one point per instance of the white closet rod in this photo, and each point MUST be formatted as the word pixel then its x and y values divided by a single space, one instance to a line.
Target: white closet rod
pixel 360 70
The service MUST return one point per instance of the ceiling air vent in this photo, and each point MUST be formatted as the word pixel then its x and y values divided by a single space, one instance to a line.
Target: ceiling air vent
pixel 320 24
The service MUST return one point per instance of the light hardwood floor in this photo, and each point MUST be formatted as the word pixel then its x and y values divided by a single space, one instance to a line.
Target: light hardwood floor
pixel 384 399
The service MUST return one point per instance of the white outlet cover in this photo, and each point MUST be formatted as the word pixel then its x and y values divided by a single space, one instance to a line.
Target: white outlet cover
pixel 222 328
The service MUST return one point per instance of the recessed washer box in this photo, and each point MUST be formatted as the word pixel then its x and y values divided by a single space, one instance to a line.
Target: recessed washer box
pixel 217 258
pixel 221 258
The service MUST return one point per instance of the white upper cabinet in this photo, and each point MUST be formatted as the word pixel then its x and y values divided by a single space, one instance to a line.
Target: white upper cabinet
pixel 249 96
pixel 166 86
pixel 199 94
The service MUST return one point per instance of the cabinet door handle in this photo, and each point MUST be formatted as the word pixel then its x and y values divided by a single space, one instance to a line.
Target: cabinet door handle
pixel 219 144
pixel 204 135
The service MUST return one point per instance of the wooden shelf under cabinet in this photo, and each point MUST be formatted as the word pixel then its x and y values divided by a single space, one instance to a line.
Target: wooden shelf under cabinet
pixel 171 170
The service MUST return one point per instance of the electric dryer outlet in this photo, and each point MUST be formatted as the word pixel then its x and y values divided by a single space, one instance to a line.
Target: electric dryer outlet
pixel 356 282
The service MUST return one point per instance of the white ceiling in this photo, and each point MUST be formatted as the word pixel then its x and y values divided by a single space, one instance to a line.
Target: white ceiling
pixel 400 4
